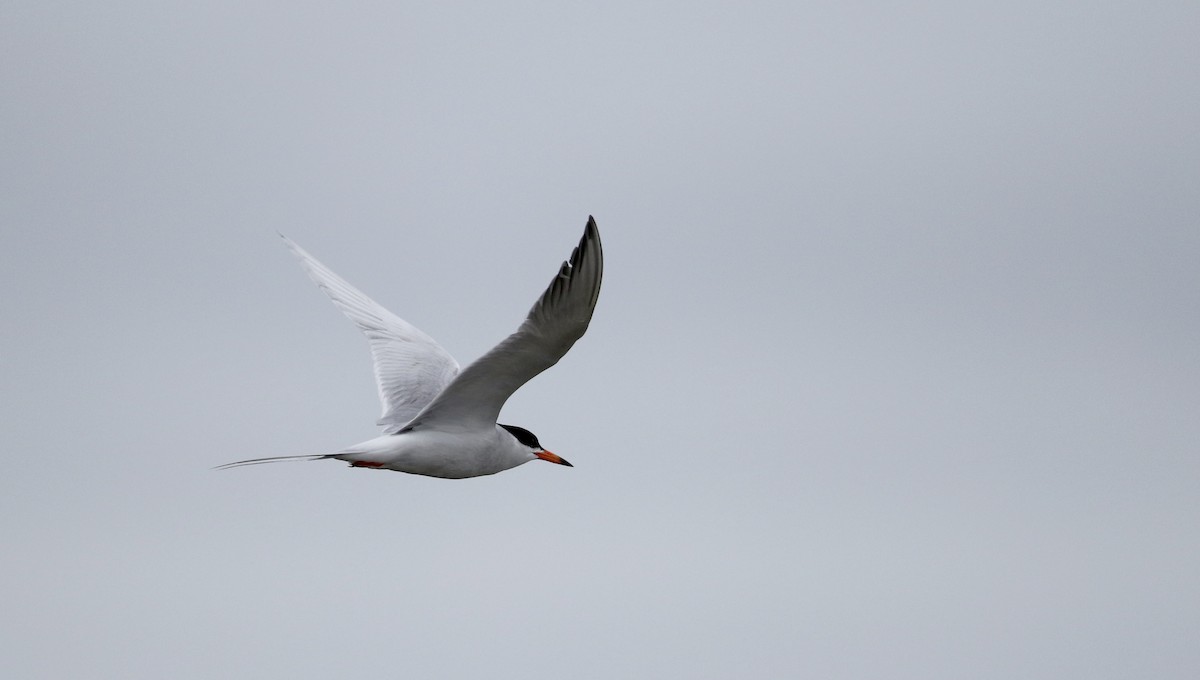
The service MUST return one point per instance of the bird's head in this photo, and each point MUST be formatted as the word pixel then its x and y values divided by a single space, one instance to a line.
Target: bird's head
pixel 530 441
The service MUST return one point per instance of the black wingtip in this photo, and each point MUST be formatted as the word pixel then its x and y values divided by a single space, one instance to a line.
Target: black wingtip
pixel 590 233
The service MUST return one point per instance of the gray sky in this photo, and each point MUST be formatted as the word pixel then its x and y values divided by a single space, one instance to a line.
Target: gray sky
pixel 895 373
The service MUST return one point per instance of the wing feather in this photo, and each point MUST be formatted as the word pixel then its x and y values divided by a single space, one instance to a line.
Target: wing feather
pixel 410 367
pixel 561 315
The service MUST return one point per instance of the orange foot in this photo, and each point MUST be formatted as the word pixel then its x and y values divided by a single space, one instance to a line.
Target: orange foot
pixel 365 463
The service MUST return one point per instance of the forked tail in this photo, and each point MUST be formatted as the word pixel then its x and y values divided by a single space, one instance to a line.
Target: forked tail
pixel 275 459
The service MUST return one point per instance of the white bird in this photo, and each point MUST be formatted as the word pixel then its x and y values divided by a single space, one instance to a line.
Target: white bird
pixel 437 420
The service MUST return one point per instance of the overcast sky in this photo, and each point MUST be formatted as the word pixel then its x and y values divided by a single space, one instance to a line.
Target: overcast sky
pixel 895 372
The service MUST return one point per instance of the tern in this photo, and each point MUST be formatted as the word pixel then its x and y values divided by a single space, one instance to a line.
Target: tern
pixel 442 422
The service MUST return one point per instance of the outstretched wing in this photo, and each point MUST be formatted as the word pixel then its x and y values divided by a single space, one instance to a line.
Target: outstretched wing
pixel 557 320
pixel 410 368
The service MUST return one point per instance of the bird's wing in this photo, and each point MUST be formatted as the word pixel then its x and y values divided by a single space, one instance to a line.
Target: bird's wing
pixel 559 318
pixel 410 367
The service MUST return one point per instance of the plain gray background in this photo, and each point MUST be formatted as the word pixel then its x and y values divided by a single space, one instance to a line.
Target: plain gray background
pixel 894 373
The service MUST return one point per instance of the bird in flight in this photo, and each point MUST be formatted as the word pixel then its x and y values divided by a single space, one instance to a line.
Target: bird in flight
pixel 439 421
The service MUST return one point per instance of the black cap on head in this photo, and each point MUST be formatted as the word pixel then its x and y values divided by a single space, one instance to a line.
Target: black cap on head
pixel 522 435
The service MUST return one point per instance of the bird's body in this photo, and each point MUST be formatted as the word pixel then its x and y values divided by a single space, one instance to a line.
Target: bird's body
pixel 424 452
pixel 440 421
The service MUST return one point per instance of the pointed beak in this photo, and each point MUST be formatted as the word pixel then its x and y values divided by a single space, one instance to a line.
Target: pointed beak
pixel 552 458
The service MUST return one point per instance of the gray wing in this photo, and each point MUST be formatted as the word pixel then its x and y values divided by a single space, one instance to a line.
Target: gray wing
pixel 410 368
pixel 559 318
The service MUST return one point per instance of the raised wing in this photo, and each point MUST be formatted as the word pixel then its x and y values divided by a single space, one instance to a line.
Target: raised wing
pixel 559 318
pixel 410 368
